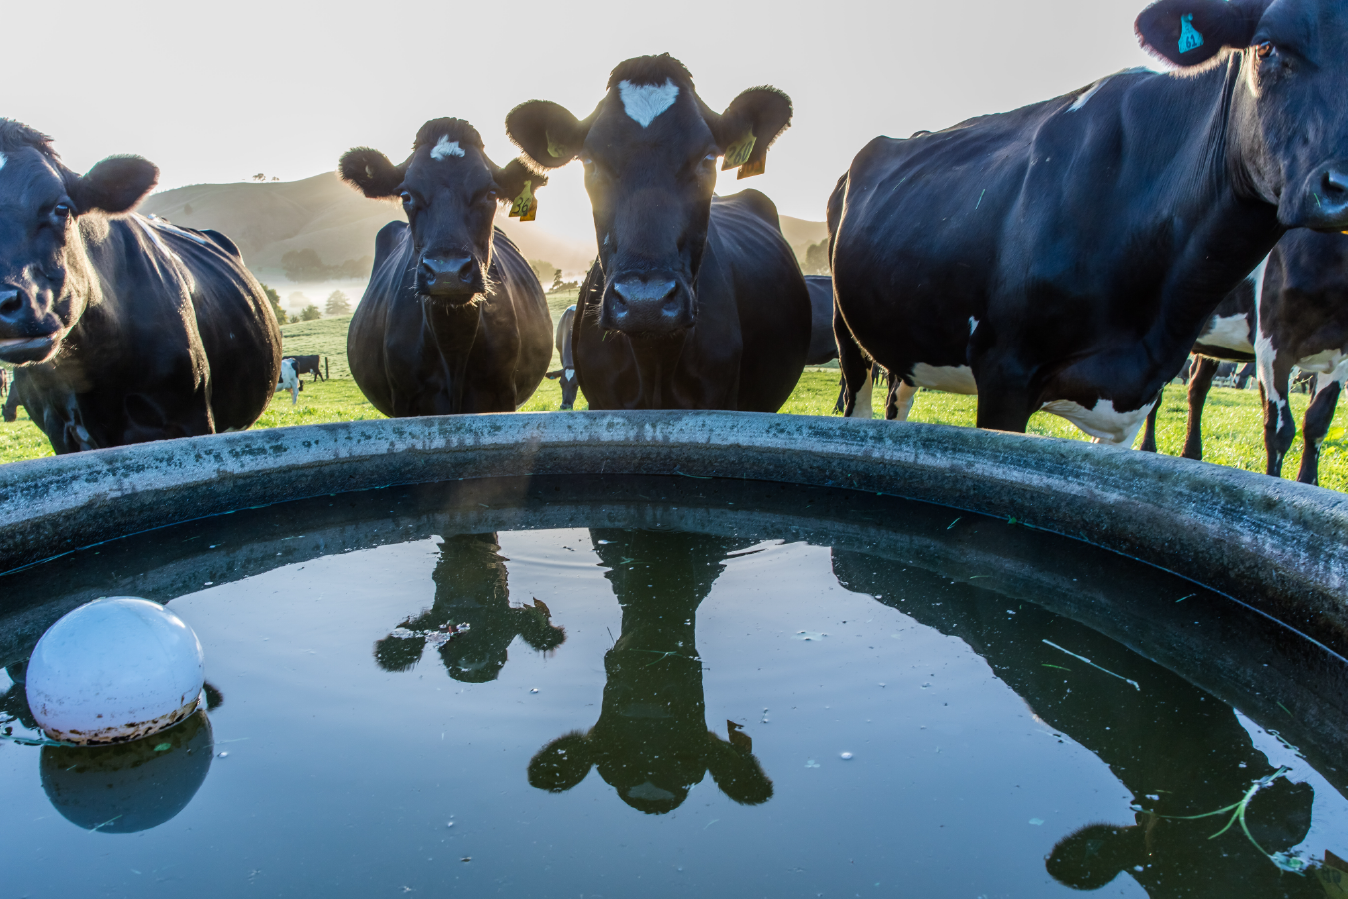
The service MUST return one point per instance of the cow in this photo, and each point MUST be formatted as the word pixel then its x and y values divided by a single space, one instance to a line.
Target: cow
pixel 567 373
pixel 126 328
pixel 1065 256
pixel 823 346
pixel 1303 323
pixel 305 365
pixel 696 301
pixel 453 320
pixel 289 380
pixel 1291 312
pixel 1227 335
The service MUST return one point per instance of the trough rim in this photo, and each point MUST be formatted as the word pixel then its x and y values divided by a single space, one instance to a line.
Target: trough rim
pixel 1278 546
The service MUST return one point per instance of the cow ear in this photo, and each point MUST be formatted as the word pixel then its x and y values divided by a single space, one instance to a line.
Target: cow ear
pixel 1190 32
pixel 549 134
pixel 371 172
pixel 561 764
pixel 748 127
pixel 114 185
pixel 511 178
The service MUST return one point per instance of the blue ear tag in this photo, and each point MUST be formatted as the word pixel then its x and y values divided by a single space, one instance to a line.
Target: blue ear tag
pixel 1190 39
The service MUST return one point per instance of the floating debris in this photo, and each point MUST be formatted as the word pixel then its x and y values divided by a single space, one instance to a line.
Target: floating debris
pixel 844 755
pixel 1037 822
pixel 435 638
pixel 808 635
pixel 1093 665
pixel 811 763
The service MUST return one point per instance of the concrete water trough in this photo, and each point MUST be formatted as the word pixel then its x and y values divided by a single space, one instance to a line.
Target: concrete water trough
pixel 1263 627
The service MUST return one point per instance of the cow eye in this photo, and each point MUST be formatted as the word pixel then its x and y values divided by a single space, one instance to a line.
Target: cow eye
pixel 1264 50
pixel 406 198
pixel 62 210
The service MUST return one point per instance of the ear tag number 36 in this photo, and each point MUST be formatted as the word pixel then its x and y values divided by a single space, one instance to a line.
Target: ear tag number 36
pixel 525 207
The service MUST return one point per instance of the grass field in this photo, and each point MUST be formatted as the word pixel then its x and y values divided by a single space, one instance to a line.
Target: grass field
pixel 1232 421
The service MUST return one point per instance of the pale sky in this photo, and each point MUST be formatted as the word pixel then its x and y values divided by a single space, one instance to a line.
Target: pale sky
pixel 217 92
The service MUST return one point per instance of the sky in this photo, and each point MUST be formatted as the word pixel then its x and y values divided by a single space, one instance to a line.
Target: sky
pixel 218 92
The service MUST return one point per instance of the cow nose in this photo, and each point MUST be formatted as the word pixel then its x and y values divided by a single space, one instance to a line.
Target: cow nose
pixel 446 270
pixel 635 290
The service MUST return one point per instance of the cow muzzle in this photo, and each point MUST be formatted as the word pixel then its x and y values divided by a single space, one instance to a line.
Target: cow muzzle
pixel 650 305
pixel 451 276
pixel 1322 203
pixel 27 333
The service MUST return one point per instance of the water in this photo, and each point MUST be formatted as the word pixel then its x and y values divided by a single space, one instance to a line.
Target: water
pixel 671 687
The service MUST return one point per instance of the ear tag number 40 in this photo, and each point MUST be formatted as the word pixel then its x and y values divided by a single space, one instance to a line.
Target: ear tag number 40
pixel 525 207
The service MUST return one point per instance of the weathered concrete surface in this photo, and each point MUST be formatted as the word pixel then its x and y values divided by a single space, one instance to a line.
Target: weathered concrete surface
pixel 1278 545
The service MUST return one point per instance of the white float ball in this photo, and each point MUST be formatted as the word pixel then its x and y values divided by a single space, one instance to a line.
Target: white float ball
pixel 114 669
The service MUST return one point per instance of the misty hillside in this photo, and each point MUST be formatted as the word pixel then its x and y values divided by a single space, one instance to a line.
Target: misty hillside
pixel 322 215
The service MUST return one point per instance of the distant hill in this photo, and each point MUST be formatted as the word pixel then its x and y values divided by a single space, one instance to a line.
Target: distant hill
pixel 269 219
pixel 801 233
pixel 322 215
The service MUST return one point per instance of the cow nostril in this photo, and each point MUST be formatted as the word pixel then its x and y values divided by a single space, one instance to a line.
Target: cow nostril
pixel 465 269
pixel 1335 184
pixel 11 303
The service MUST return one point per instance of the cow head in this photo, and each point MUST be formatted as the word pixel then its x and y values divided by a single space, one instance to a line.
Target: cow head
pixel 649 151
pixel 1289 112
pixel 46 279
pixel 449 190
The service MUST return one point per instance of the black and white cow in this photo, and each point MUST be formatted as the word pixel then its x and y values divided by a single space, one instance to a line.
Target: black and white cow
pixel 315 365
pixel 125 328
pixel 1065 256
pixel 696 302
pixel 453 320
pixel 1292 311
pixel 1302 322
pixel 1228 337
pixel 567 373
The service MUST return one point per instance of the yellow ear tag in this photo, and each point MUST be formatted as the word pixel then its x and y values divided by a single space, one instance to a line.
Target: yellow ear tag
pixel 737 154
pixel 532 213
pixel 523 202
pixel 556 150
pixel 749 169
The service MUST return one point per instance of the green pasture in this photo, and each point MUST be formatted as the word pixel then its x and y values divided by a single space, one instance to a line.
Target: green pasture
pixel 1232 421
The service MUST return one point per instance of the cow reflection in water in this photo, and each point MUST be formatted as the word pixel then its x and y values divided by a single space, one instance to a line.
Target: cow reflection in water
pixel 471 589
pixel 651 742
pixel 1178 750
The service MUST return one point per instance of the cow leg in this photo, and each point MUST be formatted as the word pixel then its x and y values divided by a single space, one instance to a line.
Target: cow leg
pixel 901 396
pixel 1279 428
pixel 855 368
pixel 1200 382
pixel 1315 426
pixel 1149 428
pixel 1004 399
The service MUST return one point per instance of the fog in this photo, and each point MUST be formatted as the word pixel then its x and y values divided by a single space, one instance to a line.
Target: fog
pixel 221 92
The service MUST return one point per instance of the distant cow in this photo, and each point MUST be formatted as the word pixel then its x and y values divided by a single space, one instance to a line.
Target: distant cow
pixel 696 302
pixel 310 365
pixel 290 380
pixel 1065 256
pixel 126 328
pixel 1291 312
pixel 823 346
pixel 453 320
pixel 567 373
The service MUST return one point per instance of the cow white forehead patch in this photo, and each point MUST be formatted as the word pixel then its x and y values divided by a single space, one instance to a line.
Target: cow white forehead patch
pixel 444 148
pixel 3 160
pixel 644 102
